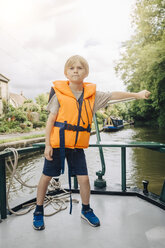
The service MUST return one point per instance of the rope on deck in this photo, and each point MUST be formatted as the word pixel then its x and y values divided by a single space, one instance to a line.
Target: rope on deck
pixel 57 202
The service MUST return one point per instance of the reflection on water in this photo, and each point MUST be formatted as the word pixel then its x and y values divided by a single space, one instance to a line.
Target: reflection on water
pixel 141 163
pixel 149 164
pixel 29 169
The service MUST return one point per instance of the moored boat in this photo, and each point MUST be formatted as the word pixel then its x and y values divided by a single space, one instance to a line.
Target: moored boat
pixel 113 124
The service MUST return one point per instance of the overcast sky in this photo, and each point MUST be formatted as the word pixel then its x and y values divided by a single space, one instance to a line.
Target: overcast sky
pixel 38 36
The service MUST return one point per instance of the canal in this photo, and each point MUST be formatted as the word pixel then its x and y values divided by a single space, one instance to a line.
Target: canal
pixel 142 163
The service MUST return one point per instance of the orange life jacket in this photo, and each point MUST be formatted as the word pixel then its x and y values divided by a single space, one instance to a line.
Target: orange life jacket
pixel 73 124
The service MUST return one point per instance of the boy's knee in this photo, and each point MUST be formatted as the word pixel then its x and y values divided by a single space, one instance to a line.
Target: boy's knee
pixel 46 178
pixel 83 179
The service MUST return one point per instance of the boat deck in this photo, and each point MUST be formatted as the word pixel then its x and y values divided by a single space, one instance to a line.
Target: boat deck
pixel 126 221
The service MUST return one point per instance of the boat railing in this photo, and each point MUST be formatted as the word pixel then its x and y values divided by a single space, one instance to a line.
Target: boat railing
pixel 99 183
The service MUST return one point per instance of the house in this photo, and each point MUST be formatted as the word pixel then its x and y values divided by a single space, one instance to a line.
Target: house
pixel 15 100
pixel 4 92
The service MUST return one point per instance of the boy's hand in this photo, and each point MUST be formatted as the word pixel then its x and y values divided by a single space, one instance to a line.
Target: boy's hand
pixel 48 152
pixel 144 94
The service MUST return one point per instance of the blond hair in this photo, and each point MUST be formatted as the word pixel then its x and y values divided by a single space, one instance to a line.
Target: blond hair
pixel 74 59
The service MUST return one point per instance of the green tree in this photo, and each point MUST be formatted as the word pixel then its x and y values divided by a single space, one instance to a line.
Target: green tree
pixel 7 107
pixel 42 99
pixel 31 106
pixel 101 117
pixel 142 61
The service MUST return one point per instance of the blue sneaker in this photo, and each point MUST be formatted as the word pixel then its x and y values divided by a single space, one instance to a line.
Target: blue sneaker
pixel 38 221
pixel 90 217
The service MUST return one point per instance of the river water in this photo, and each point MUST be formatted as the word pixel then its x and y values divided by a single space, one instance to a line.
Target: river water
pixel 142 163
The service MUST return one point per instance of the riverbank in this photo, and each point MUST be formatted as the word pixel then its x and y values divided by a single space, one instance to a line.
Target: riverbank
pixel 21 143
pixel 10 136
pixel 19 140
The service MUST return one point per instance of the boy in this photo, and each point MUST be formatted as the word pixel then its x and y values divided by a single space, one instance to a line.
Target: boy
pixel 72 104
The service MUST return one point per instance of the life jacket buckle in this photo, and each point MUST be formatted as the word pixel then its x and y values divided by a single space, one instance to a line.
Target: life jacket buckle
pixel 88 128
pixel 65 125
pixel 71 127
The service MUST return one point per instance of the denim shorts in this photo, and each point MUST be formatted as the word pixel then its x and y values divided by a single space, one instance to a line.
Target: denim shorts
pixel 76 162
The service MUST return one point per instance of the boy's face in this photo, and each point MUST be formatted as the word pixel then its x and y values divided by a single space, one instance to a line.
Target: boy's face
pixel 76 72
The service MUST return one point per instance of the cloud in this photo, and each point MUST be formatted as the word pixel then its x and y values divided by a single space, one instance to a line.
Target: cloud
pixel 37 37
pixel 91 42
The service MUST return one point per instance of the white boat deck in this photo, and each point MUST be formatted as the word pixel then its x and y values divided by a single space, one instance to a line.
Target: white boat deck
pixel 126 222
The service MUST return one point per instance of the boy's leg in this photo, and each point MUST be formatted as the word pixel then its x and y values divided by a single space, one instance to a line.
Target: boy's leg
pixel 77 165
pixel 87 213
pixel 42 188
pixel 38 220
pixel 83 181
pixel 51 169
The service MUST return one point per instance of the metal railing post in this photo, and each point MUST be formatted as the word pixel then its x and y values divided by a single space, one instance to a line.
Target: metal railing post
pixel 123 168
pixel 3 210
pixel 162 195
pixel 99 182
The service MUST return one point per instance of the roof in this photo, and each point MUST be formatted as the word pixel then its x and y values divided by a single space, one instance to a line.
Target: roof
pixel 16 99
pixel 4 79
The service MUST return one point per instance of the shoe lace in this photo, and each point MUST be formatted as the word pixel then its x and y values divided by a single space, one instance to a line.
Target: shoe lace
pixel 38 217
pixel 90 211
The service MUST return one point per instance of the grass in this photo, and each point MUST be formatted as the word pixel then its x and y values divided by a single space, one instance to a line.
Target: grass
pixel 21 138
pixel 35 136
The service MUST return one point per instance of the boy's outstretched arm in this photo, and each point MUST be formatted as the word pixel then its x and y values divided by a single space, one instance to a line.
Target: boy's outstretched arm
pixel 117 95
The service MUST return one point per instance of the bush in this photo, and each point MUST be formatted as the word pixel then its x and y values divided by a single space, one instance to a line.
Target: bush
pixel 38 124
pixel 27 129
pixel 30 106
pixel 17 129
pixel 28 124
pixel 7 107
pixel 18 115
pixel 28 101
pixel 4 129
pixel 43 117
pixel 12 124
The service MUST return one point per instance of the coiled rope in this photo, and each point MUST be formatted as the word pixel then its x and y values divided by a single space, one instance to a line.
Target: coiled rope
pixel 57 202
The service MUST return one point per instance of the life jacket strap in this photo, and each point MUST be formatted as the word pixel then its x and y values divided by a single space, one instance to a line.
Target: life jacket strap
pixel 75 128
pixel 65 126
